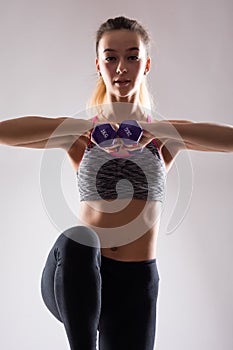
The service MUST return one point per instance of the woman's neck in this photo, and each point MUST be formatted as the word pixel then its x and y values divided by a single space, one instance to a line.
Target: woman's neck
pixel 119 111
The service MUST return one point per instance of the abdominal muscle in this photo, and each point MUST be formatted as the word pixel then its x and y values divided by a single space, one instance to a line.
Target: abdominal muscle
pixel 127 228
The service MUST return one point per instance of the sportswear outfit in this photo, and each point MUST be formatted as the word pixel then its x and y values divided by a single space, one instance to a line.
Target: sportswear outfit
pixel 87 291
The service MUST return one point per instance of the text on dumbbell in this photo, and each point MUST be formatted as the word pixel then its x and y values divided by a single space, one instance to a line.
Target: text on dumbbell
pixel 104 133
pixel 127 131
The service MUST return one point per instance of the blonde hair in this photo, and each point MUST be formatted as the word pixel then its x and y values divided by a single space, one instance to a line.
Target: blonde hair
pixel 98 96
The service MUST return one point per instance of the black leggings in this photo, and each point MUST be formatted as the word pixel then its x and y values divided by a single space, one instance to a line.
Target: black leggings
pixel 89 292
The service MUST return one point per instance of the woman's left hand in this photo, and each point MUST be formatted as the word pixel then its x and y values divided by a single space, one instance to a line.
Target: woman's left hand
pixel 146 138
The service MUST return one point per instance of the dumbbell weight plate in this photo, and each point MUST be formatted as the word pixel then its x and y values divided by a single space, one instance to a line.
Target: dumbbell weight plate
pixel 130 132
pixel 104 135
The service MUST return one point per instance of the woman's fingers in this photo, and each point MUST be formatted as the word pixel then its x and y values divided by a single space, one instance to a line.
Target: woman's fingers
pixel 144 140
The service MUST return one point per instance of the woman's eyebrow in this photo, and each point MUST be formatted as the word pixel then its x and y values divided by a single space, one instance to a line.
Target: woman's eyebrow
pixel 130 49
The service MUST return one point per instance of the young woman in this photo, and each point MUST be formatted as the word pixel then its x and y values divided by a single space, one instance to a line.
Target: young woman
pixel 102 275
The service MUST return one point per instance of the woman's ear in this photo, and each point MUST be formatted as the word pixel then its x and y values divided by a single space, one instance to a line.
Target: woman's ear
pixel 97 65
pixel 148 62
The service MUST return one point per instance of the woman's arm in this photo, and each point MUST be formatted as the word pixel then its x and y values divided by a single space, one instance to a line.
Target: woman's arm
pixel 39 130
pixel 189 145
pixel 202 136
pixel 64 142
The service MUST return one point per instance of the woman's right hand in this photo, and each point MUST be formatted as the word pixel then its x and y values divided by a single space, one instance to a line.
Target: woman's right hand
pixel 118 143
pixel 119 147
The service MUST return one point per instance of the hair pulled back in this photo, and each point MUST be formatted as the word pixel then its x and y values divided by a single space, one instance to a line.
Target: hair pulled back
pixel 98 96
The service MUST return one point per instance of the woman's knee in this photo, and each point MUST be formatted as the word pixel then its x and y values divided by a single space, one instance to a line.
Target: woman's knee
pixel 79 242
pixel 83 235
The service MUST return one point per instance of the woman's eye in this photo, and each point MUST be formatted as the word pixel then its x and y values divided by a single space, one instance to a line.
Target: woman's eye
pixel 134 57
pixel 109 58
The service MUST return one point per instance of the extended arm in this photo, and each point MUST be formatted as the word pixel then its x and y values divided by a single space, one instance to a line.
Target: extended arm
pixel 209 136
pixel 38 131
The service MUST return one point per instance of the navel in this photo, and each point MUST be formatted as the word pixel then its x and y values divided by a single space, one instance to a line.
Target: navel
pixel 114 249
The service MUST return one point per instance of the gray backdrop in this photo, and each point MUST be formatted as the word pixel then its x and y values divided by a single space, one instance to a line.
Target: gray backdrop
pixel 47 68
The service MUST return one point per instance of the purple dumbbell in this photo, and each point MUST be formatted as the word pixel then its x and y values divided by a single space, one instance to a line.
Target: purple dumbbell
pixel 104 135
pixel 130 133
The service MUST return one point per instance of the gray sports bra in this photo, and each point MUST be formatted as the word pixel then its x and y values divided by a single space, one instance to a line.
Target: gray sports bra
pixel 103 176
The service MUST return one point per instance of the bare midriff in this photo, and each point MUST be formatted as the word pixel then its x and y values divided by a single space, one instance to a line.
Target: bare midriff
pixel 127 228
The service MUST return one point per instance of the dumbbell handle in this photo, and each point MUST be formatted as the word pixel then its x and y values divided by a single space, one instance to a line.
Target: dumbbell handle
pixel 129 131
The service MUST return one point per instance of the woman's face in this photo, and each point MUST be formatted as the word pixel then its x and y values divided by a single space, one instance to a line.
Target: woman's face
pixel 122 62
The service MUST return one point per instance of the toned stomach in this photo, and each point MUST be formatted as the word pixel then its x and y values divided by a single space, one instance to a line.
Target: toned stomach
pixel 127 228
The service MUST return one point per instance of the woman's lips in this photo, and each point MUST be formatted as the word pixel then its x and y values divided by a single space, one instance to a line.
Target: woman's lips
pixel 122 82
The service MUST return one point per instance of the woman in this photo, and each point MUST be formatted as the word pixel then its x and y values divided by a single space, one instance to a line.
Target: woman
pixel 102 275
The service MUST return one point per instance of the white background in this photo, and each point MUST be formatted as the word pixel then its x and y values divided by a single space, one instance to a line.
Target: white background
pixel 47 68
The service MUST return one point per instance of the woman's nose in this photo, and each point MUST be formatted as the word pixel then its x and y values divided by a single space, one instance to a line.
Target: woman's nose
pixel 121 68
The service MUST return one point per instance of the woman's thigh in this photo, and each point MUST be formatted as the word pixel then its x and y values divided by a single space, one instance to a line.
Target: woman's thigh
pixel 48 278
pixel 128 309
